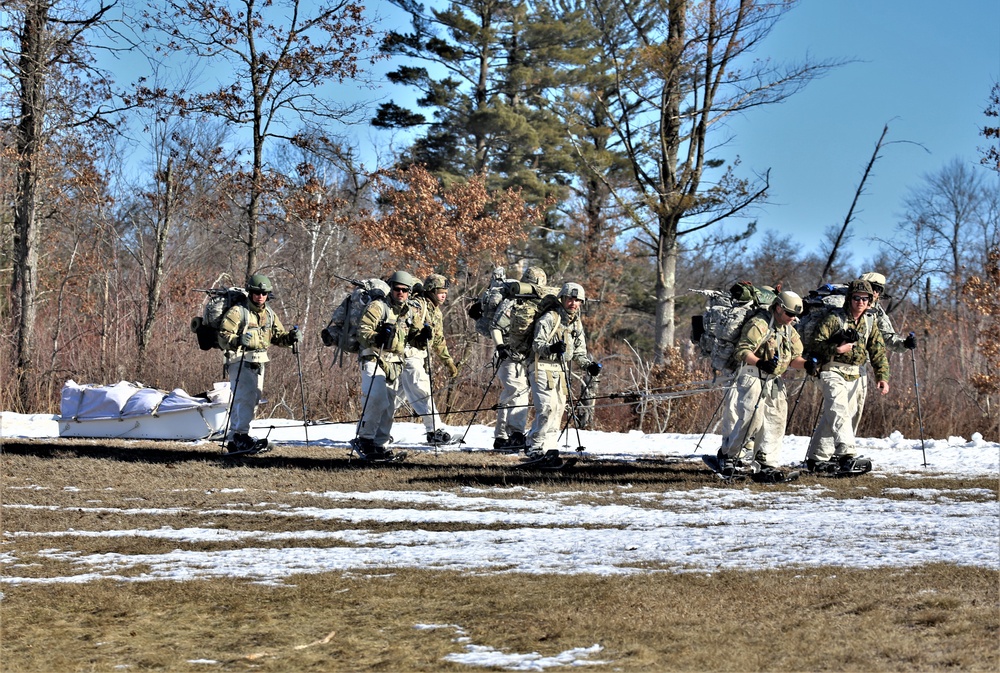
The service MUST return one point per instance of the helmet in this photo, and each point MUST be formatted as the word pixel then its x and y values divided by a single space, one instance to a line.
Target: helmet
pixel 499 274
pixel 534 275
pixel 791 302
pixel 876 280
pixel 402 278
pixel 435 281
pixel 860 287
pixel 573 290
pixel 260 283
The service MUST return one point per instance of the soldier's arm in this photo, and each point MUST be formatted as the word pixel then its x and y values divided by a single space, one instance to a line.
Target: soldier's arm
pixel 750 339
pixel 878 355
pixel 370 320
pixel 229 329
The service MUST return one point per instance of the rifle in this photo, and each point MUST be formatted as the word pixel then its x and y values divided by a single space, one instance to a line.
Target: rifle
pixel 353 281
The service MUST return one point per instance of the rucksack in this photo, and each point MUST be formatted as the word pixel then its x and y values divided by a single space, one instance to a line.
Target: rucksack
pixel 342 330
pixel 817 306
pixel 219 300
pixel 531 302
pixel 718 328
pixel 484 308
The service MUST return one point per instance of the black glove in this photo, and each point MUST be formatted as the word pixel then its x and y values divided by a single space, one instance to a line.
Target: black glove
pixel 475 311
pixel 294 336
pixel 557 347
pixel 503 352
pixel 767 366
pixel 812 366
pixel 422 338
pixel 910 341
pixel 848 335
pixel 383 335
pixel 594 369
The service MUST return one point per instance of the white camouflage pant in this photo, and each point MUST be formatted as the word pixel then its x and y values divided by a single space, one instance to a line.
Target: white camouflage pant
pixel 246 381
pixel 548 392
pixel 512 407
pixel 761 416
pixel 843 405
pixel 416 386
pixel 378 403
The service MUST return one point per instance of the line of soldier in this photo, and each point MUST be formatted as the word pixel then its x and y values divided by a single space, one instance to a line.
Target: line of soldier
pixel 755 412
pixel 396 334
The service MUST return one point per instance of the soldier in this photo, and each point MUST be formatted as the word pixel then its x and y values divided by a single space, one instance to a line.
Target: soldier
pixel 512 406
pixel 416 380
pixel 244 336
pixel 845 340
pixel 768 346
pixel 558 340
pixel 893 341
pixel 382 332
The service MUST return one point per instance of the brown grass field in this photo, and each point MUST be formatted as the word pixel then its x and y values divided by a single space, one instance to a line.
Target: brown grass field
pixel 925 618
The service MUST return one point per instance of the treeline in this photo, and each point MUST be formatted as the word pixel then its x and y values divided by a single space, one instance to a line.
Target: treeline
pixel 120 203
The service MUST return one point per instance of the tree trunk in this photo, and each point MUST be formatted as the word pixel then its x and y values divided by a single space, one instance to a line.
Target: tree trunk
pixel 666 274
pixel 156 273
pixel 32 75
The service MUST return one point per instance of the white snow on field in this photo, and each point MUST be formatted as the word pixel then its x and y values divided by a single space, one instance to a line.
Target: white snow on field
pixel 627 530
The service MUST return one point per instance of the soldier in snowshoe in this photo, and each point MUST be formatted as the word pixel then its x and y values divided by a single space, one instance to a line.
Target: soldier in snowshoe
pixel 767 347
pixel 244 336
pixel 894 341
pixel 383 331
pixel 416 381
pixel 846 339
pixel 558 341
pixel 511 427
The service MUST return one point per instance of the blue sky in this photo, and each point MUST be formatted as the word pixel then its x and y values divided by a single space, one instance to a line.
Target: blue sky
pixel 923 67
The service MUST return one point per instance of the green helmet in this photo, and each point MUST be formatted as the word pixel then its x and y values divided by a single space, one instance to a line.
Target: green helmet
pixel 534 275
pixel 791 302
pixel 859 287
pixel 435 281
pixel 259 283
pixel 573 290
pixel 402 278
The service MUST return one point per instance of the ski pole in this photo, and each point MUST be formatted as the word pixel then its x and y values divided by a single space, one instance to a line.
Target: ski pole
pixel 729 391
pixel 232 399
pixel 479 406
pixel 916 390
pixel 302 389
pixel 572 404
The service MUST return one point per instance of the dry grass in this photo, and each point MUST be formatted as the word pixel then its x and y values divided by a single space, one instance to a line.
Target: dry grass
pixel 927 618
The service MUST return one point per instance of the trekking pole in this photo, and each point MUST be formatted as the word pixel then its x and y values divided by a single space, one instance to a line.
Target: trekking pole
pixel 729 391
pixel 475 412
pixel 232 399
pixel 916 390
pixel 569 394
pixel 430 388
pixel 302 389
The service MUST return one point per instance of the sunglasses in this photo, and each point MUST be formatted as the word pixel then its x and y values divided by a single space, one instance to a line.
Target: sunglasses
pixel 262 293
pixel 862 298
pixel 400 288
pixel 787 312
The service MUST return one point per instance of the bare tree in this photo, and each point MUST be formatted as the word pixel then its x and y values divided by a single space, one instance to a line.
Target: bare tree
pixel 681 67
pixel 278 55
pixel 56 87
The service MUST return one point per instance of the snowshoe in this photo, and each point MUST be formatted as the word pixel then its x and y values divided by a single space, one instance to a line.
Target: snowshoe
pixel 438 437
pixel 550 460
pixel 370 452
pixel 244 445
pixel 726 468
pixel 853 465
pixel 772 475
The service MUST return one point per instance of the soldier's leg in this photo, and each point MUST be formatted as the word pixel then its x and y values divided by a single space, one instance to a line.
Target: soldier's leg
pixel 375 400
pixel 549 408
pixel 748 389
pixel 247 391
pixel 821 444
pixel 774 417
pixel 415 386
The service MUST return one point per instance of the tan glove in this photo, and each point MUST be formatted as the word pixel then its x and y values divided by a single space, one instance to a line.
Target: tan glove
pixel 452 368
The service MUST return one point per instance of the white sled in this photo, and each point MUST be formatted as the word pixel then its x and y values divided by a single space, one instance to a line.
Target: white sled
pixel 129 411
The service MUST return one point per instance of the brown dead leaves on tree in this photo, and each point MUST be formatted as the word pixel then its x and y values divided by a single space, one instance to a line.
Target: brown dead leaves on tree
pixel 982 295
pixel 428 227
